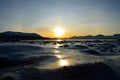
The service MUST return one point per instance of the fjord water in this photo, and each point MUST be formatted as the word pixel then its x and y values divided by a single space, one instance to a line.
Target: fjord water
pixel 53 54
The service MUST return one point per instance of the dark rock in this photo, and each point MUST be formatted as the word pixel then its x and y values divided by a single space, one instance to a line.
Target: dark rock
pixel 111 50
pixel 91 71
pixel 65 46
pixel 109 45
pixel 93 52
pixel 31 74
pixel 118 41
pixel 78 47
pixel 7 49
pixel 8 78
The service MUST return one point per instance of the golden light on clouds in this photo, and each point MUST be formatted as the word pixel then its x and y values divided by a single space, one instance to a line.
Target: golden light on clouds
pixel 66 31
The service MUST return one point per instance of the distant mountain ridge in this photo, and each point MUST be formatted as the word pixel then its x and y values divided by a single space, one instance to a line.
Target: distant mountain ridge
pixel 10 35
pixel 99 36
pixel 16 36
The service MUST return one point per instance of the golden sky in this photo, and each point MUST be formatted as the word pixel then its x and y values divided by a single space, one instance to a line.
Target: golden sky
pixel 75 17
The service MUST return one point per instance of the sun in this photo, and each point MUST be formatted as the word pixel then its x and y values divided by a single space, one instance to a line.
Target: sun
pixel 59 32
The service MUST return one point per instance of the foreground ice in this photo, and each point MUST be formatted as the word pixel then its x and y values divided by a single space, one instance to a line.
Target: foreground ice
pixel 19 56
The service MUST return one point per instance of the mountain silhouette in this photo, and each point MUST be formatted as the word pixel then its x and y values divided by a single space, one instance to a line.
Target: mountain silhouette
pixel 10 35
pixel 99 36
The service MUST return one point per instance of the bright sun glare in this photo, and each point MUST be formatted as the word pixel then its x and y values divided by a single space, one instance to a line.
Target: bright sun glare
pixel 63 62
pixel 59 32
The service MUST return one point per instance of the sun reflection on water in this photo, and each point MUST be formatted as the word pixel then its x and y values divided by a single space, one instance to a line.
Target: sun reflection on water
pixel 58 56
pixel 63 62
pixel 56 51
pixel 57 45
pixel 58 40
